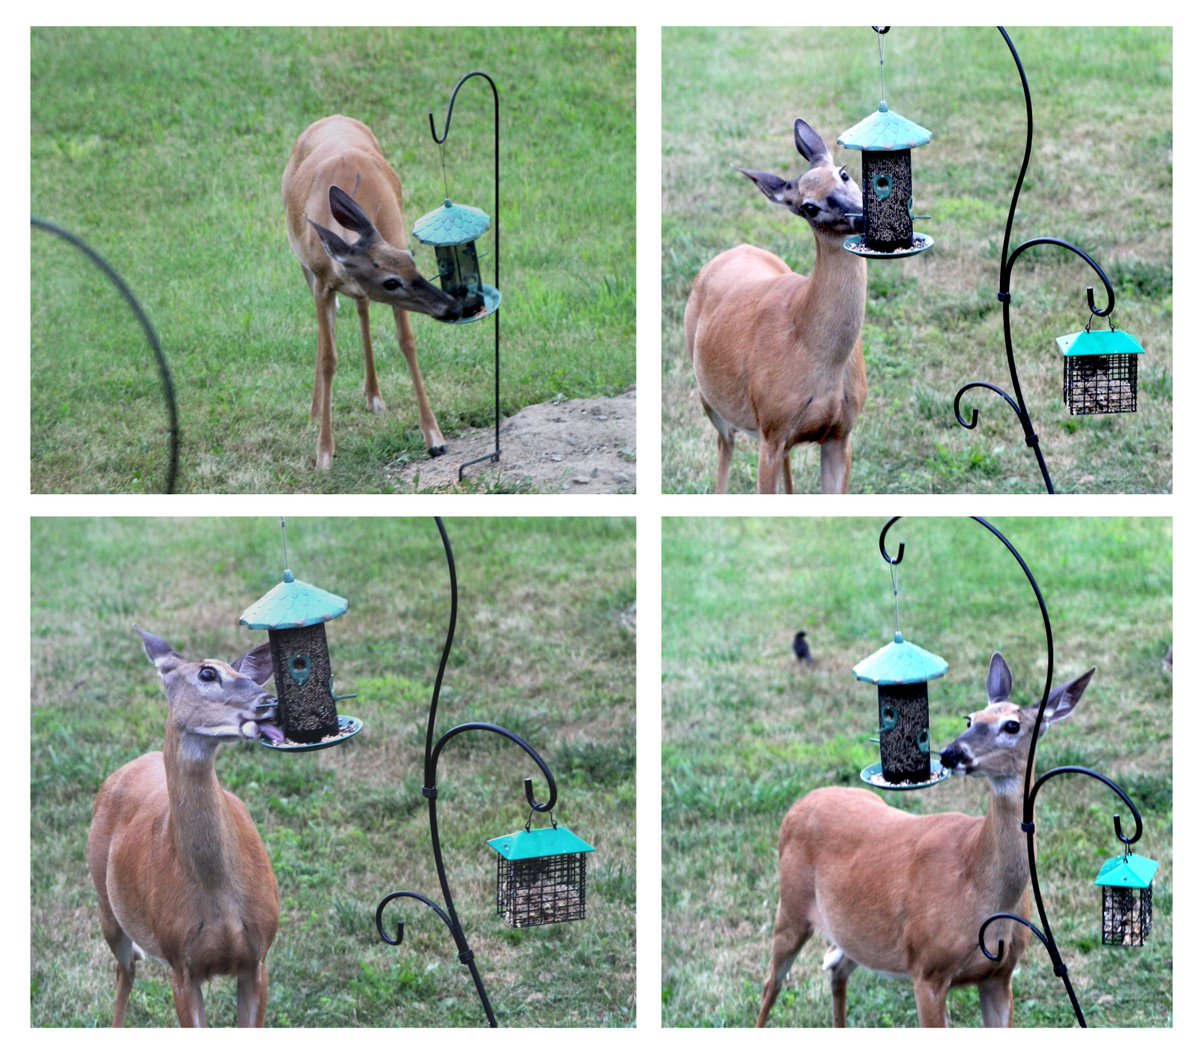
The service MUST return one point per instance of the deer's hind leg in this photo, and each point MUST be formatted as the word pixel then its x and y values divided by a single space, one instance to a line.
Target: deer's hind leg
pixel 790 935
pixel 725 436
pixel 839 968
pixel 429 426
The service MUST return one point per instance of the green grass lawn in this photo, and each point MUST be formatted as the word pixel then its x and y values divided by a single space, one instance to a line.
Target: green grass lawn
pixel 1099 176
pixel 747 731
pixel 164 149
pixel 545 647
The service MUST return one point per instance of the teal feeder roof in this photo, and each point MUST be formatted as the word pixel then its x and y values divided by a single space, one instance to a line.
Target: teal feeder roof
pixel 884 130
pixel 1101 342
pixel 539 844
pixel 451 225
pixel 293 604
pixel 901 662
pixel 1128 871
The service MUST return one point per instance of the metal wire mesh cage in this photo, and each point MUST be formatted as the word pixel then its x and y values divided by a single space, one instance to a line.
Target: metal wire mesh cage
pixel 1100 372
pixel 1127 915
pixel 1126 899
pixel 541 877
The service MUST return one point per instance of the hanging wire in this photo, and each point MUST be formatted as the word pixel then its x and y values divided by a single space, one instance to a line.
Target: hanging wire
pixel 283 526
pixel 445 180
pixel 879 38
pixel 895 569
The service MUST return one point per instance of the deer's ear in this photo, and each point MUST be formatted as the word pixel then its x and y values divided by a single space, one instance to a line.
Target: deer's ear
pixel 999 680
pixel 161 654
pixel 346 211
pixel 256 664
pixel 1063 700
pixel 811 146
pixel 335 248
pixel 775 188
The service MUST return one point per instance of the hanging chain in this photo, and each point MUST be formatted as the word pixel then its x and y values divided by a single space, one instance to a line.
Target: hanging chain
pixel 896 591
pixel 879 39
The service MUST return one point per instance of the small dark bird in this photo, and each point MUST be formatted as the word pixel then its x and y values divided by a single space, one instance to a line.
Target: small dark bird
pixel 800 647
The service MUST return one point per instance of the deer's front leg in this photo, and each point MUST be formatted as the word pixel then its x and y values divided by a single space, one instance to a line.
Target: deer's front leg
pixel 931 1001
pixel 322 407
pixel 189 1000
pixel 429 426
pixel 835 466
pixel 252 996
pixel 770 465
pixel 996 1001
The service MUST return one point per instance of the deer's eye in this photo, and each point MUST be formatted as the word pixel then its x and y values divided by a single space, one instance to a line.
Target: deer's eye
pixel 1012 726
pixel 208 674
pixel 392 283
pixel 968 720
pixel 845 176
pixel 810 209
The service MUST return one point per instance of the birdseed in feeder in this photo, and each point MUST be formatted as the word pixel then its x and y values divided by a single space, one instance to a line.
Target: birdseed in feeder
pixel 1126 901
pixel 541 877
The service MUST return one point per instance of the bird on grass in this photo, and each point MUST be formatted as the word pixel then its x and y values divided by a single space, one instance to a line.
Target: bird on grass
pixel 800 648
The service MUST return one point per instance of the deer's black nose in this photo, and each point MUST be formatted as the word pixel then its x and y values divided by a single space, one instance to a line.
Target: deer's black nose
pixel 954 756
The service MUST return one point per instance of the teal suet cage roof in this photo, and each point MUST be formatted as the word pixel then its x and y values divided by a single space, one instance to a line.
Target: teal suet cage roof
pixel 451 225
pixel 1101 342
pixel 1128 872
pixel 293 604
pixel 900 662
pixel 884 130
pixel 538 844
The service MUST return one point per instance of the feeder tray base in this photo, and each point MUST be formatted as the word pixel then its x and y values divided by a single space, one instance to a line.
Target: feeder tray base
pixel 348 727
pixel 491 304
pixel 872 775
pixel 858 246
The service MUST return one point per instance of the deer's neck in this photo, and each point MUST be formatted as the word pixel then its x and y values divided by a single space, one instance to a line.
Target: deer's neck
pixel 829 310
pixel 199 823
pixel 1001 864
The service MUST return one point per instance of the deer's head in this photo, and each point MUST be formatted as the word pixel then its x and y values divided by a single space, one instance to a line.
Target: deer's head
pixel 826 195
pixel 996 742
pixel 210 701
pixel 381 271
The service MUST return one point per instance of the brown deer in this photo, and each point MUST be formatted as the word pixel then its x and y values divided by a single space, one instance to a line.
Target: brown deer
pixel 334 153
pixel 777 354
pixel 181 872
pixel 904 895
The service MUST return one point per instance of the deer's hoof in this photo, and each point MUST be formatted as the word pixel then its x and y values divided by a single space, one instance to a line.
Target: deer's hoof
pixel 436 451
pixel 375 404
pixel 324 460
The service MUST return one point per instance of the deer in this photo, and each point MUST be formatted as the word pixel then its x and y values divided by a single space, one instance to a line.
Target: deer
pixel 178 864
pixel 331 154
pixel 905 895
pixel 778 354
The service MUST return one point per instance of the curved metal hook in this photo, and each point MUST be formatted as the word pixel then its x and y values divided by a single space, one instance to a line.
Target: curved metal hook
pixel 400 925
pixel 495 729
pixel 1006 274
pixel 450 108
pixel 164 372
pixel 974 412
pixel 1075 770
pixel 883 546
pixel 881 31
pixel 1000 943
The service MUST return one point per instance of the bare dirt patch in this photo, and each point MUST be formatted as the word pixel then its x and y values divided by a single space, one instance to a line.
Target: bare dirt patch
pixel 580 446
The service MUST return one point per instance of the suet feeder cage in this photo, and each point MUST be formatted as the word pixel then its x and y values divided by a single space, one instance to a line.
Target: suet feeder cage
pixel 902 671
pixel 452 230
pixel 294 614
pixel 886 140
pixel 1126 889
pixel 1100 371
pixel 541 876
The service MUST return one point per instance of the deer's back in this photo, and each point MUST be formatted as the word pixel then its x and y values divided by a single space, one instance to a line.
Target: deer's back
pixel 340 151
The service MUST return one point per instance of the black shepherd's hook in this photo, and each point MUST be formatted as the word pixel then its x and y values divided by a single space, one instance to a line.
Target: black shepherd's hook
pixel 1031 788
pixel 494 456
pixel 433 752
pixel 164 372
pixel 1016 401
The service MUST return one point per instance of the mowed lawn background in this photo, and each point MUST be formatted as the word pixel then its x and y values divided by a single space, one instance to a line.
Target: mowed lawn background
pixel 747 731
pixel 1100 176
pixel 545 647
pixel 164 149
